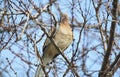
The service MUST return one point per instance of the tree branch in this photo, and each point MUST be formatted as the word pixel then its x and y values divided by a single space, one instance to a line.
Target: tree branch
pixel 103 71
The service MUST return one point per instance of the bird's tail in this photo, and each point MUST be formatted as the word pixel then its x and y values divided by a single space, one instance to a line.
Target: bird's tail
pixel 39 71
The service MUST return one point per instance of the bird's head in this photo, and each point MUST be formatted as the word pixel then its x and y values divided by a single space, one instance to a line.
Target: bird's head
pixel 64 18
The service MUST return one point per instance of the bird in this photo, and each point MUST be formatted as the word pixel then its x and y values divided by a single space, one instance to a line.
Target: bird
pixel 63 37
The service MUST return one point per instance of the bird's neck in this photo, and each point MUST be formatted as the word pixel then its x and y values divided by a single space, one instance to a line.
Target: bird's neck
pixel 65 28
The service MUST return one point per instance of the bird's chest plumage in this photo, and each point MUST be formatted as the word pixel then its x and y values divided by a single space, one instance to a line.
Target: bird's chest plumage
pixel 63 39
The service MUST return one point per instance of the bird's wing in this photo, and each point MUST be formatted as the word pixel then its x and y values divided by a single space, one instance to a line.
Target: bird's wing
pixel 47 41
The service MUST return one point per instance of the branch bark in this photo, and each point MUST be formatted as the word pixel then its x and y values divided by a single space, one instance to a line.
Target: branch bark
pixel 103 72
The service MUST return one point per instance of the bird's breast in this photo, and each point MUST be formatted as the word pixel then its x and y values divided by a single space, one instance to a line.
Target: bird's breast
pixel 63 40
